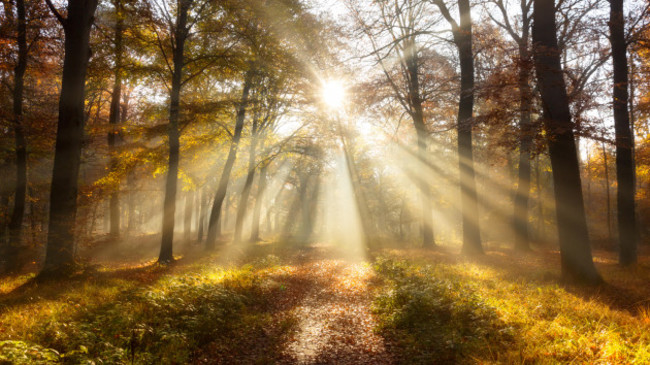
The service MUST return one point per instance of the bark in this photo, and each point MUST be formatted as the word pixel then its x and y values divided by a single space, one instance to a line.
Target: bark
pixel 230 161
pixel 522 196
pixel 201 218
pixel 113 119
pixel 624 159
pixel 607 195
pixel 257 210
pixel 169 210
pixel 575 250
pixel 59 256
pixel 469 202
pixel 16 222
pixel 243 200
pixel 189 208
pixel 415 101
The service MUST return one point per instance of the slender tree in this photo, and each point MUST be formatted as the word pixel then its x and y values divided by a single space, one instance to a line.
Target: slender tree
pixel 624 141
pixel 114 115
pixel 181 32
pixel 402 24
pixel 16 221
pixel 521 37
pixel 215 213
pixel 462 34
pixel 575 250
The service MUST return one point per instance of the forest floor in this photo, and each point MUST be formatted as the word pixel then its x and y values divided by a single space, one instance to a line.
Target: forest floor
pixel 273 303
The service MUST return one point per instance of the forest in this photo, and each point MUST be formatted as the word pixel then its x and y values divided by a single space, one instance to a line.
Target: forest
pixel 324 181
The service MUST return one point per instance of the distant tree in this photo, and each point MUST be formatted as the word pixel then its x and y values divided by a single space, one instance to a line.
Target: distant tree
pixel 401 26
pixel 462 35
pixel 575 250
pixel 521 36
pixel 59 257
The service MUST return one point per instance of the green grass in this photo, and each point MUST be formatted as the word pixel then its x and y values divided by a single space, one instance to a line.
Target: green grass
pixel 147 315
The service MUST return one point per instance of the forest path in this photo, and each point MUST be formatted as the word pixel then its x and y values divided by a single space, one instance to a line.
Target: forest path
pixel 331 299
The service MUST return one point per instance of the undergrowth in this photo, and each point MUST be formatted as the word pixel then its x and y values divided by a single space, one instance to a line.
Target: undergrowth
pixel 443 309
pixel 181 318
pixel 433 320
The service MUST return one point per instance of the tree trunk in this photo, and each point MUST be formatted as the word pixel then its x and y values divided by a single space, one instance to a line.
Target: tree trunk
pixel 575 251
pixel 243 200
pixel 169 210
pixel 469 202
pixel 624 160
pixel 417 114
pixel 522 236
pixel 59 256
pixel 230 161
pixel 113 119
pixel 607 195
pixel 201 216
pixel 257 210
pixel 16 222
pixel 189 209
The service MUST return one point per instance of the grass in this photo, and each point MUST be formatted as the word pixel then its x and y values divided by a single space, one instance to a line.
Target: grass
pixel 514 309
pixel 150 314
pixel 428 305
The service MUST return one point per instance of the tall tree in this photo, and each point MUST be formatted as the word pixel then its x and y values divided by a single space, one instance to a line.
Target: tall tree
pixel 627 231
pixel 521 37
pixel 59 256
pixel 401 22
pixel 114 115
pixel 575 250
pixel 222 188
pixel 462 34
pixel 181 30
pixel 16 222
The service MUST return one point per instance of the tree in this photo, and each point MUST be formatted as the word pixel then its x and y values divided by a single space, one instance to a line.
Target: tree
pixel 59 256
pixel 575 251
pixel 521 36
pixel 400 22
pixel 114 116
pixel 215 213
pixel 181 32
pixel 462 34
pixel 16 222
pixel 627 230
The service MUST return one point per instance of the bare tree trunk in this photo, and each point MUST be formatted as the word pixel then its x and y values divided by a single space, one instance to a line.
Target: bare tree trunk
pixel 16 222
pixel 189 209
pixel 609 200
pixel 202 203
pixel 169 210
pixel 417 114
pixel 624 141
pixel 522 236
pixel 257 210
pixel 114 118
pixel 230 161
pixel 59 257
pixel 469 199
pixel 243 200
pixel 575 250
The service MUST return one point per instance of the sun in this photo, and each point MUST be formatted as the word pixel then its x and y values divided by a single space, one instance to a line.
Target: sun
pixel 333 93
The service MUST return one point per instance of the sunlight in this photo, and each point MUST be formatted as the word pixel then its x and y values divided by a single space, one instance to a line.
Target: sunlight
pixel 333 93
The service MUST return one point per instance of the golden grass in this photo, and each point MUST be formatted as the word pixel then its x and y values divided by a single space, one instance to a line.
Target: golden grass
pixel 553 322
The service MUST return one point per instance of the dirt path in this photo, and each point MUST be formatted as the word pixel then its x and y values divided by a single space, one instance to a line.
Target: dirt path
pixel 331 300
